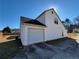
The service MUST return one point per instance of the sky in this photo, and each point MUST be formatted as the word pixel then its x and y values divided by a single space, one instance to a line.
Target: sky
pixel 11 10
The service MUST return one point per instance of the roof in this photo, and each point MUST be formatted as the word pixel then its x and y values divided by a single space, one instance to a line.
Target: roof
pixel 36 22
pixel 31 21
pixel 24 19
pixel 44 12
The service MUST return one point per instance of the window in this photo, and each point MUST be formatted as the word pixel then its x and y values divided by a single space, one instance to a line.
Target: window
pixel 56 21
pixel 52 12
pixel 62 34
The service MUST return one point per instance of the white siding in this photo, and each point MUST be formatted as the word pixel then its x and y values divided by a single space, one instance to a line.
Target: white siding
pixel 53 31
pixel 31 34
pixel 41 18
pixel 61 26
pixel 24 34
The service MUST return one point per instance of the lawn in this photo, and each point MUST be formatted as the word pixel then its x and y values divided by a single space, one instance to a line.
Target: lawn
pixel 74 36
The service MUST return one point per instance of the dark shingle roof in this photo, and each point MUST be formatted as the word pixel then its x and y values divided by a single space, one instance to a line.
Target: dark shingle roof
pixel 31 21
pixel 34 22
pixel 24 19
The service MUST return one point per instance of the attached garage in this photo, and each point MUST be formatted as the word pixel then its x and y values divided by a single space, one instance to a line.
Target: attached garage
pixel 35 35
pixel 32 31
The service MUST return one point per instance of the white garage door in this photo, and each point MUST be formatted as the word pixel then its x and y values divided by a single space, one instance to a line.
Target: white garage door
pixel 35 35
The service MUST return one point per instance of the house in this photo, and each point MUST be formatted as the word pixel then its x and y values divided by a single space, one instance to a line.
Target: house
pixel 47 26
pixel 15 32
pixel 76 30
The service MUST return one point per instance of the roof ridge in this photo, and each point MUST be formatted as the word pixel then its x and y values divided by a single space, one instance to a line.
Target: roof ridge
pixel 44 12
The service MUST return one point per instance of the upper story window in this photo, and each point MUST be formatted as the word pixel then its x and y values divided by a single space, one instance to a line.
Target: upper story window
pixel 56 21
pixel 52 12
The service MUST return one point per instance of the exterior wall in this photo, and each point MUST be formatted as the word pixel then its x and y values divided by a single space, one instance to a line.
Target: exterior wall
pixel 61 25
pixel 25 34
pixel 53 31
pixel 41 18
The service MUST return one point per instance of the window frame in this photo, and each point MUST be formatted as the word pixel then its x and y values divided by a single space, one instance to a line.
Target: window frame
pixel 56 21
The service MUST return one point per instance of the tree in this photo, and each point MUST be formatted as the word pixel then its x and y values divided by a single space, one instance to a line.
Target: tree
pixel 6 30
pixel 68 21
pixel 69 25
pixel 77 21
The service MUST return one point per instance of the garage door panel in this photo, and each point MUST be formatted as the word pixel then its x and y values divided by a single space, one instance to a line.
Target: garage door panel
pixel 35 36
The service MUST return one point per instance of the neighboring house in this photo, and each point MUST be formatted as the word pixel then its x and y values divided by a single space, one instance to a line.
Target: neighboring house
pixel 47 26
pixel 76 30
pixel 15 31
